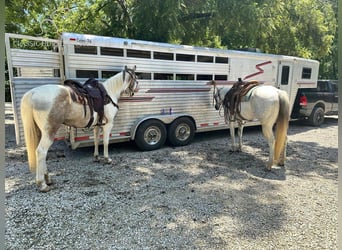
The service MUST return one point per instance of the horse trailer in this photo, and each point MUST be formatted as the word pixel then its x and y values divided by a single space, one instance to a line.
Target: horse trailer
pixel 175 96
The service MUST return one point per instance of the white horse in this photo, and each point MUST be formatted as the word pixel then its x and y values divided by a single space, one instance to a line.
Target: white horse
pixel 267 104
pixel 44 109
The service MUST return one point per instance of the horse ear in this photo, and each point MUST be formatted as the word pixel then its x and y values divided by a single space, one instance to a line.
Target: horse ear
pixel 135 67
pixel 126 67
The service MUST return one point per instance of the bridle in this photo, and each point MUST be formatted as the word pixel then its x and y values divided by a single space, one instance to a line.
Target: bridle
pixel 132 82
pixel 216 97
pixel 217 102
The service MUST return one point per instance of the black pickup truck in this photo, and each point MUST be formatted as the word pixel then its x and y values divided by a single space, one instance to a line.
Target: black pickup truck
pixel 312 104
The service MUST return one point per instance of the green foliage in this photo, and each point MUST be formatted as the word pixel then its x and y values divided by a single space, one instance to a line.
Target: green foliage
pixel 305 28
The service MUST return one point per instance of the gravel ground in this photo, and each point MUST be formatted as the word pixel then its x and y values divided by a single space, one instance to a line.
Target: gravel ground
pixel 199 196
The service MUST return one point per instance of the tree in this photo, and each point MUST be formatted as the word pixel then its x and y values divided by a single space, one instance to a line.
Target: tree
pixel 305 28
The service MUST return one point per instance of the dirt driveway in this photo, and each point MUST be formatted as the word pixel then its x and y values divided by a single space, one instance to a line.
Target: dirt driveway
pixel 199 196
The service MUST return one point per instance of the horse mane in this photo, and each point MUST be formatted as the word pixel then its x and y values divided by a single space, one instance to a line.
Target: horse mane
pixel 114 83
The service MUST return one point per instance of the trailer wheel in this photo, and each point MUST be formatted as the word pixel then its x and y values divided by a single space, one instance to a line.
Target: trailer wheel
pixel 150 135
pixel 181 131
pixel 316 117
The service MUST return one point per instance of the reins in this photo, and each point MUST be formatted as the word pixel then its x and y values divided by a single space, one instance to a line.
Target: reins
pixel 231 104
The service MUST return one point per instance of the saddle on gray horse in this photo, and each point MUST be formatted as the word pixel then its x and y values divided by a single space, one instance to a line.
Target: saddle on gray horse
pixel 93 94
pixel 233 98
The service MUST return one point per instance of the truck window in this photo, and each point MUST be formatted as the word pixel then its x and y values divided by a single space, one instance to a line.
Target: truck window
pixel 322 86
pixel 285 73
pixel 334 87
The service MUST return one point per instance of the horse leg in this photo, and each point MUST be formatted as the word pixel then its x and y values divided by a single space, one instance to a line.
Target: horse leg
pixel 268 134
pixel 96 143
pixel 283 155
pixel 234 147
pixel 42 176
pixel 240 132
pixel 106 132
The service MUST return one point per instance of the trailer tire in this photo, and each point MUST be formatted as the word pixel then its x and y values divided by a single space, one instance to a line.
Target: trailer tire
pixel 316 117
pixel 181 131
pixel 150 135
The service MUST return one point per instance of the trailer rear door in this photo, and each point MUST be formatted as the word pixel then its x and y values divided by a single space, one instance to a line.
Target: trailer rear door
pixel 32 62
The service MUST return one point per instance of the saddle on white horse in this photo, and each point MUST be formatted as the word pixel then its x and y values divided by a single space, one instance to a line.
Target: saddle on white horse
pixel 235 96
pixel 93 94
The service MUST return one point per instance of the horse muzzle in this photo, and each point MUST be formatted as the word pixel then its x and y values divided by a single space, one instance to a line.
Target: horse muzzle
pixel 217 107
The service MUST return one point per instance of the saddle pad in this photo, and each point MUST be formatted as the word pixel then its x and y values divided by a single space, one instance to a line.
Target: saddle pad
pixel 247 96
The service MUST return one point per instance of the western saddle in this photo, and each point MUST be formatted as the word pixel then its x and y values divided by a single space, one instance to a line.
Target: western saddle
pixel 93 94
pixel 234 96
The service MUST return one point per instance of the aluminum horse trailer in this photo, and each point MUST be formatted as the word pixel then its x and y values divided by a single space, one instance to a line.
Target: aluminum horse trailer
pixel 175 94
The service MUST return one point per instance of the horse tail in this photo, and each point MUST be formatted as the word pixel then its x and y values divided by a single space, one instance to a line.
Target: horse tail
pixel 31 130
pixel 282 124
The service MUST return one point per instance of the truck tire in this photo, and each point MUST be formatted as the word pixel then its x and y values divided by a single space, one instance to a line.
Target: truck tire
pixel 181 131
pixel 150 135
pixel 316 117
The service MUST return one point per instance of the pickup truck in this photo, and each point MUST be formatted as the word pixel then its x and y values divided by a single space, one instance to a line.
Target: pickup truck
pixel 312 104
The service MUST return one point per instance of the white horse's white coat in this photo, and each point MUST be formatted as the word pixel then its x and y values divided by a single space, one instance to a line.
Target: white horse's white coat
pixel 44 109
pixel 268 105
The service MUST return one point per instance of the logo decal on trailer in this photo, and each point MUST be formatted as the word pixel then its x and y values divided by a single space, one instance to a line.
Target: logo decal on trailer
pixel 260 70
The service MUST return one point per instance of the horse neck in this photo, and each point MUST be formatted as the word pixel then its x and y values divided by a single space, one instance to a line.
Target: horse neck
pixel 224 91
pixel 114 86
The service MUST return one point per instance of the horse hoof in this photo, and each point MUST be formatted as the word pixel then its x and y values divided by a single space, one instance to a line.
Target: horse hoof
pixel 107 160
pixel 48 180
pixel 44 188
pixel 281 163
pixel 235 149
pixel 96 159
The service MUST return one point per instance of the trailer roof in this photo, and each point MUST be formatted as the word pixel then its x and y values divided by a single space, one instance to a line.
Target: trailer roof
pixel 94 40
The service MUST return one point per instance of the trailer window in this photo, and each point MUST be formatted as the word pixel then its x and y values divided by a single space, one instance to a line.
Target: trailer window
pixel 108 74
pixel 35 72
pixel 185 77
pixel 285 73
pixel 138 53
pixel 221 77
pixel 163 56
pixel 80 49
pixel 306 73
pixel 163 76
pixel 87 74
pixel 185 57
pixel 144 75
pixel 107 51
pixel 220 59
pixel 206 59
pixel 204 77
